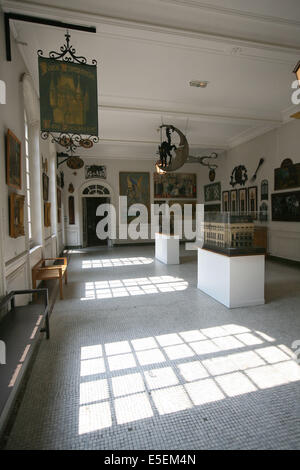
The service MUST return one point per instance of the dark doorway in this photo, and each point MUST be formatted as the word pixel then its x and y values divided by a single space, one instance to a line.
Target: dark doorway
pixel 90 219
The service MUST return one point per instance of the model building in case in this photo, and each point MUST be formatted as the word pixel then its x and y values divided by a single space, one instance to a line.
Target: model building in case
pixel 229 234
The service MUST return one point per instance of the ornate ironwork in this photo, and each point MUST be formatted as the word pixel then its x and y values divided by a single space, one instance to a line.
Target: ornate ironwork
pixel 69 141
pixel 238 176
pixel 166 147
pixel 67 53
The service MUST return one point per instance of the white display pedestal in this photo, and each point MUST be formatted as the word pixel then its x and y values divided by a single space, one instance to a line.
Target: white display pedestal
pixel 236 281
pixel 167 248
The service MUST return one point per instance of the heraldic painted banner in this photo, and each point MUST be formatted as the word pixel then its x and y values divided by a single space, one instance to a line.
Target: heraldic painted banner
pixel 68 97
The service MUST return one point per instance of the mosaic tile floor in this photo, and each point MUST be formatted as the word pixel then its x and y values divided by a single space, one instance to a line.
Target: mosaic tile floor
pixel 139 358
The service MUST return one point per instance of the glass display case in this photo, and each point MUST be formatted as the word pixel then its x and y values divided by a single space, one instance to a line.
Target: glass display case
pixel 229 234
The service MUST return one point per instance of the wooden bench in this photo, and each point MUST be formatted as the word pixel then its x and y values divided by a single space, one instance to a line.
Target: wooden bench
pixel 41 272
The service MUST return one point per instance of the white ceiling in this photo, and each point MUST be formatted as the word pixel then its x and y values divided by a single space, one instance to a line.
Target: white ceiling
pixel 148 51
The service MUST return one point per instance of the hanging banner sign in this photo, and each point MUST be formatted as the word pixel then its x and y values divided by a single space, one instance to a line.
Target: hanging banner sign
pixel 68 97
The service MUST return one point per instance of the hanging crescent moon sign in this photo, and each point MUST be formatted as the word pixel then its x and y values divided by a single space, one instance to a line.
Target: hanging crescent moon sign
pixel 168 162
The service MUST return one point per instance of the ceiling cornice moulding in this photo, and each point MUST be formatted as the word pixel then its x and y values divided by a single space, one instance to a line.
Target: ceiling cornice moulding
pixel 100 21
pixel 233 12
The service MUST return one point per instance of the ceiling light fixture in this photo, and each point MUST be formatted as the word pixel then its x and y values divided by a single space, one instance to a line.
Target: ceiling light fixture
pixel 199 83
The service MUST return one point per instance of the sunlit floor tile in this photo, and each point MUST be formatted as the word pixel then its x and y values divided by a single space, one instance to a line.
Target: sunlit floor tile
pixel 232 329
pixel 132 408
pixel 192 371
pixel 204 391
pixel 158 378
pixel 91 352
pixel 179 351
pixel 171 399
pixel 247 360
pixel 235 384
pixel 92 367
pixel 249 339
pixel 266 376
pixel 204 347
pixel 93 391
pixel 151 356
pixel 94 417
pixel 118 347
pixel 127 384
pixel 193 335
pixel 214 332
pixel 220 365
pixel 272 354
pixel 225 343
pixel 144 343
pixel 169 340
pixel 121 361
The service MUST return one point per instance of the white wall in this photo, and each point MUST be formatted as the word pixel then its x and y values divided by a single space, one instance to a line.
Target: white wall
pixel 16 259
pixel 114 166
pixel 274 147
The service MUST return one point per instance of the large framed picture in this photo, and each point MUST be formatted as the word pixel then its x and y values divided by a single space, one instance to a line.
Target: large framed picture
pixel 175 185
pixel 226 201
pixel 212 192
pixel 45 187
pixel 252 201
pixel 286 206
pixel 13 161
pixel 16 215
pixel 136 186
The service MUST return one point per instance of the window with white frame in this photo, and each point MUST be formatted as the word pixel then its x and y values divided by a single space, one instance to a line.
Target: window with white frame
pixel 27 167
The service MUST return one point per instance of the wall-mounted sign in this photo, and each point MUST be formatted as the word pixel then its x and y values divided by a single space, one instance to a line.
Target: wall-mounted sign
pixel 68 97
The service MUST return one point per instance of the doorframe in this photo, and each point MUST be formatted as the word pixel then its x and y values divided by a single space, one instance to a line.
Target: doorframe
pixel 85 185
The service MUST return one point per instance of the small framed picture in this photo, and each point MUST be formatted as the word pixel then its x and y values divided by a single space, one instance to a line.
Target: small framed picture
pixel 47 214
pixel 58 198
pixel 13 161
pixel 243 200
pixel 234 201
pixel 252 201
pixel 226 201
pixel 45 187
pixel 16 215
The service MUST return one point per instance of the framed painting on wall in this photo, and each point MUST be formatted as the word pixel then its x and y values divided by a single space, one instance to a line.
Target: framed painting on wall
pixel 243 200
pixel 286 206
pixel 234 200
pixel 175 185
pixel 212 192
pixel 136 186
pixel 252 201
pixel 13 161
pixel 47 214
pixel 58 191
pixel 45 187
pixel 287 176
pixel 16 215
pixel 264 190
pixel 226 201
pixel 95 171
pixel 71 210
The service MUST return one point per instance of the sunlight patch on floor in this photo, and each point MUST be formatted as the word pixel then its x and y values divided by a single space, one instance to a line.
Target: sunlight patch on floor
pixel 162 374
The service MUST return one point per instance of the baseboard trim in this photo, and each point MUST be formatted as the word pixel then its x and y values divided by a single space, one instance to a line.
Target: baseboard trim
pixel 287 261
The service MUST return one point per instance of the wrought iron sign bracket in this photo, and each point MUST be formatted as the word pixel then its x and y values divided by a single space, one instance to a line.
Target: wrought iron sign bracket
pixel 37 20
pixel 61 155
